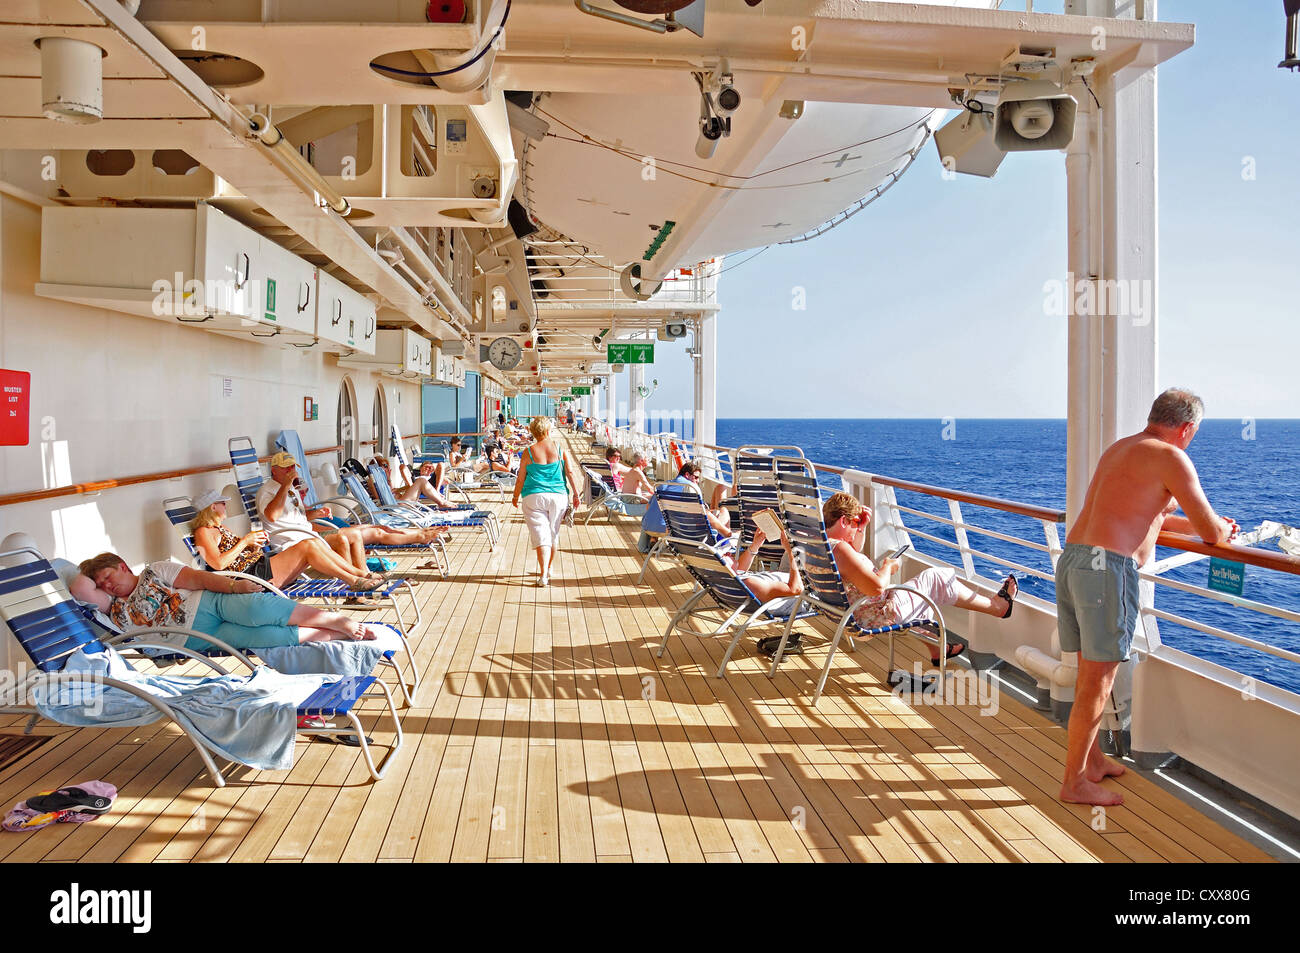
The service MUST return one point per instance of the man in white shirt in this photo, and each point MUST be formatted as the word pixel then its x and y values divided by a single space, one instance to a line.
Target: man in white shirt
pixel 288 521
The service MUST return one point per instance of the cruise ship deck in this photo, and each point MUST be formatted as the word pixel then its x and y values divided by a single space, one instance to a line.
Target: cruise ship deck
pixel 547 730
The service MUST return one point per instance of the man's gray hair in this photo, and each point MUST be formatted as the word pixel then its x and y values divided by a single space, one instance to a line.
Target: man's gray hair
pixel 1176 407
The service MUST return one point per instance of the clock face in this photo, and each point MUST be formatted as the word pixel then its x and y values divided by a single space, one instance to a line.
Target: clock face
pixel 505 354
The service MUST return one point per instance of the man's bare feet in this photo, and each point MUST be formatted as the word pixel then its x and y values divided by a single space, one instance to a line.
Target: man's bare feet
pixel 1102 768
pixel 1089 792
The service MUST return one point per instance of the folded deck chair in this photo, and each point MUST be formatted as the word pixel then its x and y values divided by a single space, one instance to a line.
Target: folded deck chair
pixel 611 500
pixel 180 513
pixel 801 514
pixel 400 518
pixel 248 478
pixel 427 514
pixel 87 682
pixel 729 593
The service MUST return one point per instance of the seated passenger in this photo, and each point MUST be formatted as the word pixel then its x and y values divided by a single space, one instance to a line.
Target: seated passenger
pixel 222 550
pixel 635 480
pixel 236 611
pixel 288 521
pixel 416 487
pixel 719 518
pixel 846 527
pixel 617 468
pixel 767 585
pixel 456 455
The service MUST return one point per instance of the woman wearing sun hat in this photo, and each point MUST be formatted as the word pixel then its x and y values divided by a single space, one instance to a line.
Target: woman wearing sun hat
pixel 223 550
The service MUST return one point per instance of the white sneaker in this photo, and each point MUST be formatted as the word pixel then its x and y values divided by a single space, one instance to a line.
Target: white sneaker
pixel 543 582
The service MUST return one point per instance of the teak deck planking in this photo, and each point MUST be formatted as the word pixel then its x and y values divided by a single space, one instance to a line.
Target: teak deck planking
pixel 547 730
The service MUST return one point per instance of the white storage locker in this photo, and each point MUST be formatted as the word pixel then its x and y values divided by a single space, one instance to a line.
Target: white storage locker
pixel 345 320
pixel 399 352
pixel 196 266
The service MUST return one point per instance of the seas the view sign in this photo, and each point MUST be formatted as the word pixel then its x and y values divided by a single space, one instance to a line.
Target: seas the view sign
pixel 1227 576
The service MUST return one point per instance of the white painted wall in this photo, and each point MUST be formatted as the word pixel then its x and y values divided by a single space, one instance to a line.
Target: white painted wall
pixel 116 395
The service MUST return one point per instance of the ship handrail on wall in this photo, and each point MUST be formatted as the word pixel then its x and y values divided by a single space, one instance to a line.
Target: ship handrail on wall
pixel 96 486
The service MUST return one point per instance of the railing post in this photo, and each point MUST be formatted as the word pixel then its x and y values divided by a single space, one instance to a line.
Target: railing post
pixel 967 561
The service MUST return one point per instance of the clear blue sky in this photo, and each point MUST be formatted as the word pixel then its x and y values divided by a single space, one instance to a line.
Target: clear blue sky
pixel 905 318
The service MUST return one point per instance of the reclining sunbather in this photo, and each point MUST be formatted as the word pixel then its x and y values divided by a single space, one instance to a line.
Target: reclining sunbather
pixel 223 550
pixel 770 584
pixel 846 527
pixel 288 521
pixel 236 611
pixel 417 487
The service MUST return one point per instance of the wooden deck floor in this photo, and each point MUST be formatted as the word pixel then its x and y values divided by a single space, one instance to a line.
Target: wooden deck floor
pixel 548 731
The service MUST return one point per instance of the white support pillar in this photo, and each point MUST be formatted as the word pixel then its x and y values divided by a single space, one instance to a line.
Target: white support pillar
pixel 635 402
pixel 1111 189
pixel 706 379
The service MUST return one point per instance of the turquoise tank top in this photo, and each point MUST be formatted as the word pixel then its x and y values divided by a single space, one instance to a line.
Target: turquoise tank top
pixel 544 477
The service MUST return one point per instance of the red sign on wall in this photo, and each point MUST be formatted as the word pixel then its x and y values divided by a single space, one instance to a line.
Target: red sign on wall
pixel 15 394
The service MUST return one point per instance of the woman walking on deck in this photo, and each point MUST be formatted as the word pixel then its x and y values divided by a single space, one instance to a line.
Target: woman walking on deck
pixel 544 481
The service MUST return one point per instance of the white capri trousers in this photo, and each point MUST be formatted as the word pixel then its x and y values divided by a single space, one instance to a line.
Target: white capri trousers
pixel 544 513
pixel 939 584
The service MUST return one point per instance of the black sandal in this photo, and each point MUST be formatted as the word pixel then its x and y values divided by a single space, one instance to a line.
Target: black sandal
pixel 1005 593
pixel 70 799
pixel 954 649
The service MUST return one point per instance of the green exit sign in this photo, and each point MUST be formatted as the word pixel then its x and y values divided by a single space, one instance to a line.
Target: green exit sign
pixel 630 352
pixel 581 391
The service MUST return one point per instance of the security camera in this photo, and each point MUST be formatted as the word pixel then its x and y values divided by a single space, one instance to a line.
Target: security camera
pixel 712 128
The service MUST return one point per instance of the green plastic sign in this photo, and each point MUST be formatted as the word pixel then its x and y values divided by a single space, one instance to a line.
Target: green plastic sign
pixel 581 391
pixel 1227 576
pixel 270 299
pixel 630 352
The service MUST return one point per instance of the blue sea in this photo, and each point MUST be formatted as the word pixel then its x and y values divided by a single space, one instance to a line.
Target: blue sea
pixel 1250 471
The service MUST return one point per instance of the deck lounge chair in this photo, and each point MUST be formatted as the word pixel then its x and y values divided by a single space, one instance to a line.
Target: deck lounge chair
pixel 801 514
pixel 755 475
pixel 398 517
pixel 180 513
pixel 427 514
pixel 683 510
pixel 52 630
pixel 248 479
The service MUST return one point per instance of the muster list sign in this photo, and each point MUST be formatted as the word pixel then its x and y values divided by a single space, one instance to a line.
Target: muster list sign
pixel 15 394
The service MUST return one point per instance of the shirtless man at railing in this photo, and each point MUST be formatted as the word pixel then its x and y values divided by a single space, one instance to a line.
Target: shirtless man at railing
pixel 1139 482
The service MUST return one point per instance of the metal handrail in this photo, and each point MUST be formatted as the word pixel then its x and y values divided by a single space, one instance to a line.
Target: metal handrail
pixel 96 486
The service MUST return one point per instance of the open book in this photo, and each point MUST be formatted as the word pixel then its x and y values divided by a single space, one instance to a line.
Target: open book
pixel 767 521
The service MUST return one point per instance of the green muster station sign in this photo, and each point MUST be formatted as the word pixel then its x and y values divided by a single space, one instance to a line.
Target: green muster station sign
pixel 630 352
